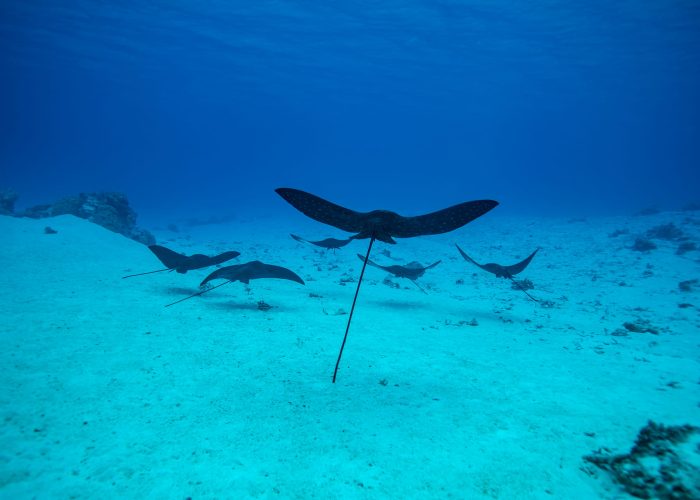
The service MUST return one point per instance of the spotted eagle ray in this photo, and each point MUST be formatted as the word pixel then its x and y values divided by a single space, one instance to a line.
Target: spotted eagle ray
pixel 244 273
pixel 411 271
pixel 504 271
pixel 328 243
pixel 181 263
pixel 382 225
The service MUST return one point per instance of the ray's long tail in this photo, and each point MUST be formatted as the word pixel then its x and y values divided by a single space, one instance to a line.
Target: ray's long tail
pixel 352 309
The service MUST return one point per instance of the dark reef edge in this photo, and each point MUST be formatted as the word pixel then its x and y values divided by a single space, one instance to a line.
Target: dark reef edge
pixel 107 209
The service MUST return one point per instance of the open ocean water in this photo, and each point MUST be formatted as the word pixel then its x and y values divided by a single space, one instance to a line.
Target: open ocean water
pixel 539 339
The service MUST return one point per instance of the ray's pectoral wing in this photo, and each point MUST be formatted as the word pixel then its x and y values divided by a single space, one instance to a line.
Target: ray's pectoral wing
pixel 432 265
pixel 196 261
pixel 342 243
pixel 469 259
pixel 279 272
pixel 442 221
pixel 225 273
pixel 520 266
pixel 223 257
pixel 322 210
pixel 169 258
pixel 370 262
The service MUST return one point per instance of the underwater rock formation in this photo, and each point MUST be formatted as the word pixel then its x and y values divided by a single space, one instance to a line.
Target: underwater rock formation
pixel 212 219
pixel 643 245
pixel 618 232
pixel 688 285
pixel 661 464
pixel 648 211
pixel 8 198
pixel 686 247
pixel 641 326
pixel 109 210
pixel 668 232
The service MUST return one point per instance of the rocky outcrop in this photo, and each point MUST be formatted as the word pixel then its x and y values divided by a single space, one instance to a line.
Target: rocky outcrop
pixel 109 210
pixel 662 464
pixel 7 202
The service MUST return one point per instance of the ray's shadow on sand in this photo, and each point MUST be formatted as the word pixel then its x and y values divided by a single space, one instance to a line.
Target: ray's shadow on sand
pixel 228 301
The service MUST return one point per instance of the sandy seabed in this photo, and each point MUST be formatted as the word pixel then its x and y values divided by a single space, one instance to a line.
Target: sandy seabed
pixel 469 391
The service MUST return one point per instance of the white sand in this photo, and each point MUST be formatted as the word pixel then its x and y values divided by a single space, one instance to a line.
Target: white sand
pixel 107 394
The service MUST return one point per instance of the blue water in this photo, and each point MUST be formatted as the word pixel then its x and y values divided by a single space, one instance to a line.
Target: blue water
pixel 550 107
pixel 573 115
